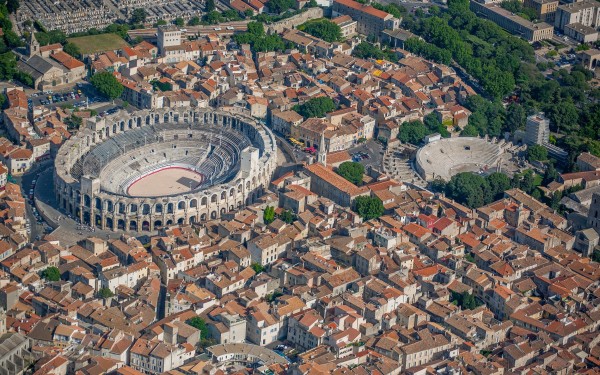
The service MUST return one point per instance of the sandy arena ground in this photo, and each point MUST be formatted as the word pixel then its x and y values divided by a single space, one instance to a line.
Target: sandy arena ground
pixel 165 182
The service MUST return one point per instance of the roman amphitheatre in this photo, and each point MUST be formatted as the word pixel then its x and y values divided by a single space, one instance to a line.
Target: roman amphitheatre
pixel 143 170
pixel 449 156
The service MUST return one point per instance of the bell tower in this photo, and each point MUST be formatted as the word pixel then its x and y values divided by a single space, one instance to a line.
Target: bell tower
pixel 33 47
pixel 322 155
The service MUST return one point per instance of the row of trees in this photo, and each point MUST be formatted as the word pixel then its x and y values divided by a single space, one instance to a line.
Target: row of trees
pixel 428 51
pixel 474 190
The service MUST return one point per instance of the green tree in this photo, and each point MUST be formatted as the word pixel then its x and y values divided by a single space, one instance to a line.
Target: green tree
pixel 469 131
pixel 465 300
pixel 269 215
pixel 351 171
pixel 210 5
pixel 323 29
pixel 468 301
pixel 555 200
pixel 434 125
pixel 194 21
pixel 550 174
pixel 199 323
pixel 367 50
pixel 179 22
pixel 287 217
pixel 368 207
pixel 24 78
pixel 438 185
pixel 160 23
pixel 412 132
pixel 105 293
pixel 51 274
pixel 213 17
pixel 8 65
pixel 12 5
pixel 257 267
pixel 256 29
pixel 138 16
pixel 280 6
pixel 72 49
pixel 497 183
pixel 563 117
pixel 315 107
pixel 515 117
pixel 537 153
pixel 469 189
pixel 107 85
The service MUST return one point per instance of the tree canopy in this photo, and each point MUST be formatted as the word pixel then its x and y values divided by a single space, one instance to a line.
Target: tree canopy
pixel 351 171
pixel 72 49
pixel 280 6
pixel 138 16
pixel 257 267
pixel 474 190
pixel 368 207
pixel 322 28
pixel 537 153
pixel 465 300
pixel 51 274
pixel 412 132
pixel 259 41
pixel 105 293
pixel 107 85
pixel 199 323
pixel 315 107
pixel 287 216
pixel 367 50
pixel 269 215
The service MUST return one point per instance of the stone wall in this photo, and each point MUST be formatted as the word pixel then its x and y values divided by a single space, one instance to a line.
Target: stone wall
pixel 292 22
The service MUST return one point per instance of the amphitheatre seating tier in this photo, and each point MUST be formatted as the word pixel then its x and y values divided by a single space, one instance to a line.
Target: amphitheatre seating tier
pixel 449 156
pixel 124 158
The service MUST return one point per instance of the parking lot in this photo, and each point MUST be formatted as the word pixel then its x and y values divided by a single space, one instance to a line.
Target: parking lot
pixel 81 95
pixel 369 154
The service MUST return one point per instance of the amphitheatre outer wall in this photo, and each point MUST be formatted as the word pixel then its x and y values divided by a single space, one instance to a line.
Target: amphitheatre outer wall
pixel 84 198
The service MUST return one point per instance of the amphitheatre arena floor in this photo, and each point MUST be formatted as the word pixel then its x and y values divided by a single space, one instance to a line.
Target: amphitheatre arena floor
pixel 166 181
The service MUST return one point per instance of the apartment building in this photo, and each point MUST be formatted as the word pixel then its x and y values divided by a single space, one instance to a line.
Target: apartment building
pixel 370 21
pixel 545 9
pixel 586 12
pixel 512 23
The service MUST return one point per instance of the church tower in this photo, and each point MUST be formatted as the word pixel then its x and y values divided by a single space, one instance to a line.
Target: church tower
pixel 322 156
pixel 33 47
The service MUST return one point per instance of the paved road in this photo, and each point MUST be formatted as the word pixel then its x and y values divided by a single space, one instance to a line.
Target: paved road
pixel 26 180
pixel 67 230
